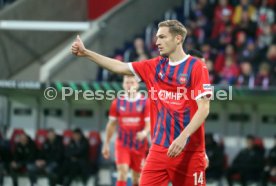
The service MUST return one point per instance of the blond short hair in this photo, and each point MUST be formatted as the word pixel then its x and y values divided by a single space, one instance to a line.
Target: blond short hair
pixel 175 28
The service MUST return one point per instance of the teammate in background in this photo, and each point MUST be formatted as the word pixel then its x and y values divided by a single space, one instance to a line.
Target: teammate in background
pixel 180 93
pixel 131 114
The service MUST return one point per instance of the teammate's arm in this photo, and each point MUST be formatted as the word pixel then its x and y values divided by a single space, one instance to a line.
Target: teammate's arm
pixel 144 133
pixel 202 112
pixel 110 64
pixel 109 131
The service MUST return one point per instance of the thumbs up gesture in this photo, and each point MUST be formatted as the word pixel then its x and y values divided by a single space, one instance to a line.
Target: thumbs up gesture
pixel 78 47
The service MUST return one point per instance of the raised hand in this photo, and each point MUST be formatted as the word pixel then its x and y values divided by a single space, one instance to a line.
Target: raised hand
pixel 78 47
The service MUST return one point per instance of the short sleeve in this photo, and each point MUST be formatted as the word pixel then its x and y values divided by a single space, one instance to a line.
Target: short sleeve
pixel 147 111
pixel 142 69
pixel 200 83
pixel 113 114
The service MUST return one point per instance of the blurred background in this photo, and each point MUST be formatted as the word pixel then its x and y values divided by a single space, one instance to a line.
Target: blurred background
pixel 237 38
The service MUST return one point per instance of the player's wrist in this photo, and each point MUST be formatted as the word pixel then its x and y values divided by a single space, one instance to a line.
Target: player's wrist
pixel 85 52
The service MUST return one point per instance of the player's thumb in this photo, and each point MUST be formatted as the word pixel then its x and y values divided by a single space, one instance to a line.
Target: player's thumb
pixel 78 38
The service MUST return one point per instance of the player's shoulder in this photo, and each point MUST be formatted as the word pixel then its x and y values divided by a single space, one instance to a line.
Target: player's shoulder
pixel 198 63
pixel 154 60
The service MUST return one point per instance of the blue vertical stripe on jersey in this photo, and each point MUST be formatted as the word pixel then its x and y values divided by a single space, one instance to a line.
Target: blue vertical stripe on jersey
pixel 120 133
pixel 124 104
pixel 138 103
pixel 125 139
pixel 158 68
pixel 171 72
pixel 161 131
pixel 144 105
pixel 118 105
pixel 137 144
pixel 130 139
pixel 186 117
pixel 168 130
pixel 130 106
pixel 156 125
pixel 180 71
pixel 190 67
pixel 177 125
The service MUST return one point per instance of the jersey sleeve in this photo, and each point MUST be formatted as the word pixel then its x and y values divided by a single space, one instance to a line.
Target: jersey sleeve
pixel 147 111
pixel 141 69
pixel 200 83
pixel 113 114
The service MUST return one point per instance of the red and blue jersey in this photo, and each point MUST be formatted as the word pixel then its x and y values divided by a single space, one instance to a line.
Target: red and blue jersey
pixel 131 115
pixel 173 88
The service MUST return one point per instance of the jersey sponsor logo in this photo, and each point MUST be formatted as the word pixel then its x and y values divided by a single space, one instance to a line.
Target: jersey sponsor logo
pixel 167 95
pixel 131 119
pixel 182 78
pixel 122 108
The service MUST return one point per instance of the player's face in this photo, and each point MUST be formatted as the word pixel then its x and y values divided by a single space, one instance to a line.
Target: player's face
pixel 166 42
pixel 130 84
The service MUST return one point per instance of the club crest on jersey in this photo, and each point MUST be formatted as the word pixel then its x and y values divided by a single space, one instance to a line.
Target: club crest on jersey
pixel 161 75
pixel 182 78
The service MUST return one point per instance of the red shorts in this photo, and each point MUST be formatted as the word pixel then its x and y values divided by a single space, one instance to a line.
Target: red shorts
pixel 133 158
pixel 187 169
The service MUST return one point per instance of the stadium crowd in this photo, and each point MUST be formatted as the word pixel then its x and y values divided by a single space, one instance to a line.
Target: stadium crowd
pixel 60 158
pixel 64 158
pixel 236 38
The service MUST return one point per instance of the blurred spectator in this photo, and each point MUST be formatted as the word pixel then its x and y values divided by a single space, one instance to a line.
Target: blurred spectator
pixel 229 52
pixel 76 159
pixel 270 168
pixel 263 77
pixel 247 25
pixel 265 14
pixel 221 9
pixel 229 73
pixel 213 77
pixel 246 78
pixel 265 37
pixel 247 164
pixel 48 159
pixel 271 59
pixel 4 158
pixel 138 50
pixel 241 39
pixel 225 36
pixel 23 157
pixel 248 53
pixel 244 6
pixel 220 26
pixel 216 158
pixel 207 52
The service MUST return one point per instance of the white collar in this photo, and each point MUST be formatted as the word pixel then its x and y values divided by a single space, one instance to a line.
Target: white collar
pixel 180 61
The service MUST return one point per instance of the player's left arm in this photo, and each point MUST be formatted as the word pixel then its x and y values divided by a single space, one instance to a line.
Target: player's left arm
pixel 202 112
pixel 200 85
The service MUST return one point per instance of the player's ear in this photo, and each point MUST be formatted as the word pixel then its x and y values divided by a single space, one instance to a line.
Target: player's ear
pixel 178 39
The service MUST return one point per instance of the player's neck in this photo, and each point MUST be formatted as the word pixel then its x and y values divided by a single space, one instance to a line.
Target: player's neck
pixel 132 95
pixel 177 55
